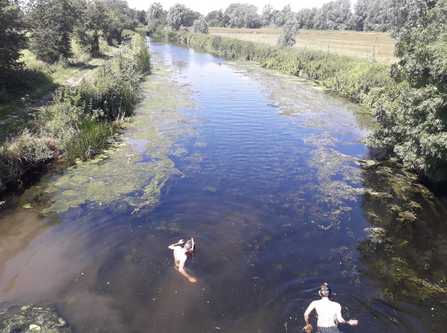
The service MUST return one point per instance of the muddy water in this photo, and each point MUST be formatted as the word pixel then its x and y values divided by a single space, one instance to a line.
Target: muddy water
pixel 262 169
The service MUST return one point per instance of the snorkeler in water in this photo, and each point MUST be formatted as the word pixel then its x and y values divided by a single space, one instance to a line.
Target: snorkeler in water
pixel 181 254
pixel 329 313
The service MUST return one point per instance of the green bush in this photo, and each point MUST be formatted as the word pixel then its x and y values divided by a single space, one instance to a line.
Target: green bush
pixel 34 149
pixel 115 89
pixel 413 117
pixel 80 122
pixel 26 151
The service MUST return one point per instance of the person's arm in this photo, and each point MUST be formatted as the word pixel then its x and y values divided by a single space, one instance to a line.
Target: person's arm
pixel 308 327
pixel 181 241
pixel 181 269
pixel 341 320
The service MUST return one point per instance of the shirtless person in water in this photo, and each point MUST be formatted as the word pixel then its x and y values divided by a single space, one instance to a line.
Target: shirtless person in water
pixel 329 313
pixel 181 254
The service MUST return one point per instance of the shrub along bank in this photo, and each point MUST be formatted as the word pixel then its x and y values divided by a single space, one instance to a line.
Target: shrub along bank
pixel 356 79
pixel 82 120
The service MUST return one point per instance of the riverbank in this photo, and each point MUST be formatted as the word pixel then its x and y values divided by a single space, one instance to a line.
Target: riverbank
pixel 356 79
pixel 365 82
pixel 38 79
pixel 83 119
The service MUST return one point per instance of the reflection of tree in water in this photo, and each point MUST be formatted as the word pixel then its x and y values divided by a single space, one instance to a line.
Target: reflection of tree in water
pixel 408 240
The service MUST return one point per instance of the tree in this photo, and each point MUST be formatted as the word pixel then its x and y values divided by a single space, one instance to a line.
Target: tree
pixel 190 17
pixel 52 24
pixel 359 15
pixel 405 13
pixel 138 16
pixel 306 18
pixel 214 18
pixel 239 15
pixel 155 12
pixel 280 17
pixel 12 37
pixel 90 22
pixel 267 15
pixel 176 16
pixel 334 15
pixel 118 18
pixel 377 16
pixel 413 118
pixel 288 33
pixel 200 26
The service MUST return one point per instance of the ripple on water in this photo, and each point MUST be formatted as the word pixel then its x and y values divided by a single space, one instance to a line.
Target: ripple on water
pixel 260 168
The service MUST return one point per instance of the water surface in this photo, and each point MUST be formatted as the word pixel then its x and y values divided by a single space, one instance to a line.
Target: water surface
pixel 260 168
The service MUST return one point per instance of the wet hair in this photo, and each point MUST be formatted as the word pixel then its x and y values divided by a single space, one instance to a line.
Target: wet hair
pixel 325 290
pixel 189 246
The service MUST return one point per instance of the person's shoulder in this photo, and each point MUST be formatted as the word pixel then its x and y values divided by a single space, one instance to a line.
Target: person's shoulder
pixel 335 304
pixel 314 303
pixel 311 306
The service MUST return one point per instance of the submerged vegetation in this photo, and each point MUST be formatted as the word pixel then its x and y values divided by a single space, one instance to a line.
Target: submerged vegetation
pixel 32 318
pixel 99 184
pixel 407 244
pixel 408 104
pixel 80 121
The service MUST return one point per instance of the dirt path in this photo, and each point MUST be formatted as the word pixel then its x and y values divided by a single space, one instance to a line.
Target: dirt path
pixel 38 105
pixel 23 111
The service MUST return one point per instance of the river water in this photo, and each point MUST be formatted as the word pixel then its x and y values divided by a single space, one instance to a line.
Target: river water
pixel 262 169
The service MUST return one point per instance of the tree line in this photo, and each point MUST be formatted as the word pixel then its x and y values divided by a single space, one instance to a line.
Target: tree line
pixel 47 28
pixel 362 15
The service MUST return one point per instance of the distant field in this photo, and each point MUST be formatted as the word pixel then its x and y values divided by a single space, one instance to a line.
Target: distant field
pixel 352 43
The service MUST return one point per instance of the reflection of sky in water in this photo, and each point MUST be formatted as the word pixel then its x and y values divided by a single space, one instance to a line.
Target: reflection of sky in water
pixel 268 187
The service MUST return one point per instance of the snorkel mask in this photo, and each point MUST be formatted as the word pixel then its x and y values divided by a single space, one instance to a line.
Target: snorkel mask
pixel 190 246
pixel 325 290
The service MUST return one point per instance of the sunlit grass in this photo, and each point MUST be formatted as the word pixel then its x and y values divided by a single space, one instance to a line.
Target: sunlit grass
pixel 368 45
pixel 81 120
pixel 42 78
pixel 92 138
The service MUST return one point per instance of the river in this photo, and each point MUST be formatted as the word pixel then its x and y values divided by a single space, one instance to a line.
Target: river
pixel 263 170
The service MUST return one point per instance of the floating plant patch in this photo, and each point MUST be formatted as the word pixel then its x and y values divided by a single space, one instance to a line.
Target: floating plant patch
pixel 131 176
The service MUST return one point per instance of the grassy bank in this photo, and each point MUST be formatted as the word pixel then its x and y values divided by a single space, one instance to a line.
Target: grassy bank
pixel 366 45
pixel 38 79
pixel 357 79
pixel 82 119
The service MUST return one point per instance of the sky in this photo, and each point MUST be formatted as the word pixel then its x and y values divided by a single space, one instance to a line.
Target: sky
pixel 206 6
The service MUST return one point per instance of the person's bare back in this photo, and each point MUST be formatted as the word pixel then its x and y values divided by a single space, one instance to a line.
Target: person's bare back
pixel 329 313
pixel 180 256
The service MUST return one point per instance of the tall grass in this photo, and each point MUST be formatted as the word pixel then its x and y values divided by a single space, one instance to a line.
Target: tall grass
pixel 91 138
pixel 80 122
